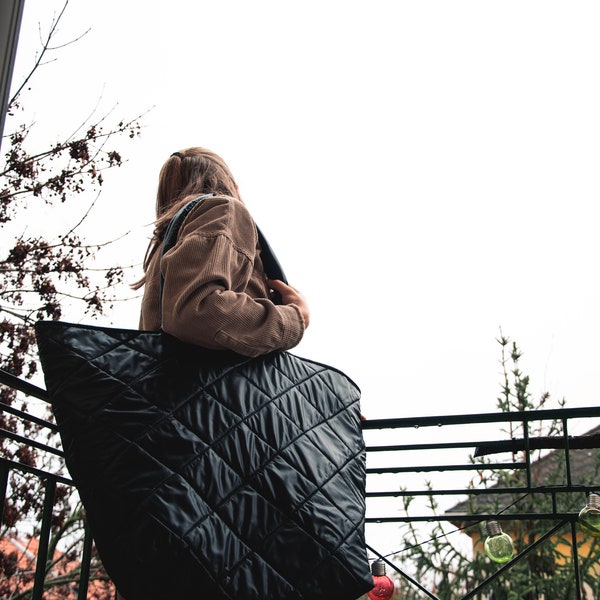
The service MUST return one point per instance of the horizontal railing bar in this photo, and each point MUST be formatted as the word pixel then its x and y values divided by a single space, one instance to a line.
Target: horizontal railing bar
pixel 567 489
pixel 581 442
pixel 473 418
pixel 34 471
pixel 27 416
pixel 429 468
pixel 23 386
pixel 477 518
pixel 29 442
pixel 439 446
pixel 496 446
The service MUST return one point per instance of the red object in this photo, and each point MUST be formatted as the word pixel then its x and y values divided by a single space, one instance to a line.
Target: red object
pixel 384 586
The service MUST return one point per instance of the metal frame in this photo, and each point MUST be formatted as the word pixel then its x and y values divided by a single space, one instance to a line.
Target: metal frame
pixel 11 12
pixel 565 443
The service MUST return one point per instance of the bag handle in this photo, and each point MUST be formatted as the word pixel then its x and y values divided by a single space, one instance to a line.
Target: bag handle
pixel 272 266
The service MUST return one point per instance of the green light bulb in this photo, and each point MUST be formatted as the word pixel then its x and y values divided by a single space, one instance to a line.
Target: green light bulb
pixel 498 546
pixel 589 517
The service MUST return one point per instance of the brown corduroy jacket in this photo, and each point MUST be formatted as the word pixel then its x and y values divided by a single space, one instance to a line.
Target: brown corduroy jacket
pixel 215 293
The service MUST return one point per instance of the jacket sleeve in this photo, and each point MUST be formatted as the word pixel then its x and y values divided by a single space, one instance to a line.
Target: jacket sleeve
pixel 215 294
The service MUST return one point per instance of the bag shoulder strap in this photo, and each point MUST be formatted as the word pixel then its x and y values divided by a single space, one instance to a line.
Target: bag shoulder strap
pixel 272 266
pixel 176 222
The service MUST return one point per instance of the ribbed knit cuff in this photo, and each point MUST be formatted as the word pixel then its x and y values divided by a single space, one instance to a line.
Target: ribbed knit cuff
pixel 293 326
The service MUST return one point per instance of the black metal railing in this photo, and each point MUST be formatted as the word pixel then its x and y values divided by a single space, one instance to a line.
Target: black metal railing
pixel 446 467
pixel 48 481
pixel 419 458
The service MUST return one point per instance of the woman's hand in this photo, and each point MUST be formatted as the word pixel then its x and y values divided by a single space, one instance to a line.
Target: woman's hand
pixel 290 295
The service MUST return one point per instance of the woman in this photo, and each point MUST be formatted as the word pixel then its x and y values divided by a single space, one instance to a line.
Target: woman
pixel 215 291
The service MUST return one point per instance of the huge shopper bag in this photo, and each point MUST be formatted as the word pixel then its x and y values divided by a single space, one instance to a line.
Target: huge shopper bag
pixel 206 474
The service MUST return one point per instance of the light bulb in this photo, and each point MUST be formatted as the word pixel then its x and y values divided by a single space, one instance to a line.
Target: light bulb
pixel 589 517
pixel 384 586
pixel 498 546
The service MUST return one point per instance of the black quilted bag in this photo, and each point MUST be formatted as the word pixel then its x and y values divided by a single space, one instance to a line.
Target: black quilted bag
pixel 206 474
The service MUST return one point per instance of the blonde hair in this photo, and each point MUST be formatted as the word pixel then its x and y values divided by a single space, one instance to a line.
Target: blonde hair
pixel 185 175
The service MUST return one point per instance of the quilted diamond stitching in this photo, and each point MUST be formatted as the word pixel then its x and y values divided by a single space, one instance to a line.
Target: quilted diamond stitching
pixel 246 480
pixel 325 420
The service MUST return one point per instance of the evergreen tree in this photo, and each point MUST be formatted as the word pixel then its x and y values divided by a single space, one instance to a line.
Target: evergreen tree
pixel 451 569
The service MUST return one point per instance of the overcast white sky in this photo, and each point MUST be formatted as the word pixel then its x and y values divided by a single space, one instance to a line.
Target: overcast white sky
pixel 427 171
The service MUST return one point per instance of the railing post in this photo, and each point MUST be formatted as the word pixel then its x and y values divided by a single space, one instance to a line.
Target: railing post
pixel 3 486
pixel 567 453
pixel 575 553
pixel 86 557
pixel 42 557
pixel 527 452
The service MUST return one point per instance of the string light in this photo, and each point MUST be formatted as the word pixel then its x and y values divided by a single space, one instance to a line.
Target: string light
pixel 498 546
pixel 589 517
pixel 384 586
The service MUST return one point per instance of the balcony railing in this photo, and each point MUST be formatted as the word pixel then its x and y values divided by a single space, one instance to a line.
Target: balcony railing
pixel 437 458
pixel 412 458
